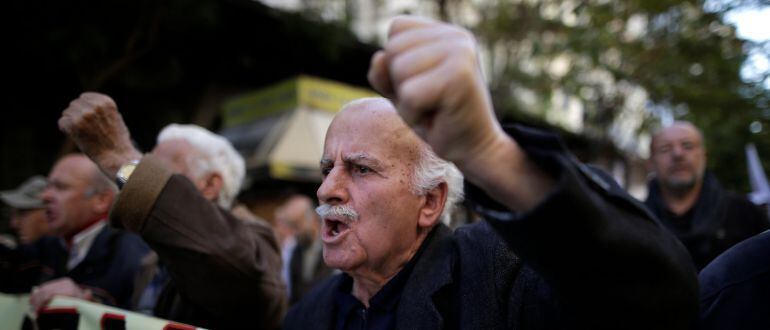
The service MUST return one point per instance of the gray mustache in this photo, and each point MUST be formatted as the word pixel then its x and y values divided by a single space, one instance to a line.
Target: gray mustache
pixel 345 211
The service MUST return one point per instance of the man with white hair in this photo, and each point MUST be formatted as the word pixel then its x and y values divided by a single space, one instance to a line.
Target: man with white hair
pixel 224 271
pixel 207 159
pixel 562 245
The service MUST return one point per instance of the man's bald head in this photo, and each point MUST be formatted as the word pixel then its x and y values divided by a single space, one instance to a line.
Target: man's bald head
pixel 376 114
pixel 678 126
pixel 428 169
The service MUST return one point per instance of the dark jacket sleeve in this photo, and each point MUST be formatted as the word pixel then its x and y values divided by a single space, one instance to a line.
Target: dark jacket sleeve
pixel 226 266
pixel 611 265
pixel 735 287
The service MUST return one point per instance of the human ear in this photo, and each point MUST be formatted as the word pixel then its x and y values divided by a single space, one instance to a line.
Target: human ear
pixel 103 201
pixel 433 206
pixel 211 186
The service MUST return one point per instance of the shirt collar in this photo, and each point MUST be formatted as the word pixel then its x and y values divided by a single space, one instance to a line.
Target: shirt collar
pixel 81 243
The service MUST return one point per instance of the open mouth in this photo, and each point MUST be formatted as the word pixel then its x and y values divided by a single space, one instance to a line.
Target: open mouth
pixel 334 229
pixel 50 215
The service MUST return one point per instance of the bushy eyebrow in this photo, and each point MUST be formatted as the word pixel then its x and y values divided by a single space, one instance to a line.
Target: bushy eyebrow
pixel 356 158
pixel 364 159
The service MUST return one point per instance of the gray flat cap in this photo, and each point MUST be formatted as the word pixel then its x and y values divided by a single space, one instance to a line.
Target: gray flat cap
pixel 26 196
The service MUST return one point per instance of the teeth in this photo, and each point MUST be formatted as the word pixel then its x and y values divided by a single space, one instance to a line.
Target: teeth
pixel 335 227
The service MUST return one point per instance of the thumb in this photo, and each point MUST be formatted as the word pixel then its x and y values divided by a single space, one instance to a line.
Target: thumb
pixel 379 76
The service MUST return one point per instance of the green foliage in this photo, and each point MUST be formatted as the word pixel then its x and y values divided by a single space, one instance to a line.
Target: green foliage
pixel 630 64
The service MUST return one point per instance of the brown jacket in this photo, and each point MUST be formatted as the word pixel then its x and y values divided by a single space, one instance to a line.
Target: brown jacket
pixel 225 272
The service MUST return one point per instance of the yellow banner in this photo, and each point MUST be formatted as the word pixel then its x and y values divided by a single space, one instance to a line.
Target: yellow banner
pixel 312 92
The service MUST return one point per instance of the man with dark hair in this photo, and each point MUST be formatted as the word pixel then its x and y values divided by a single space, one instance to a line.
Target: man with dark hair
pixel 691 202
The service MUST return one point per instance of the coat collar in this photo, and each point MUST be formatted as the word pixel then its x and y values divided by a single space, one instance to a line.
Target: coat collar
pixel 98 252
pixel 417 308
pixel 432 272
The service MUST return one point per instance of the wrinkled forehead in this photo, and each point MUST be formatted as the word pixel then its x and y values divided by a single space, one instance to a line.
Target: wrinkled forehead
pixel 369 112
pixel 370 126
pixel 73 168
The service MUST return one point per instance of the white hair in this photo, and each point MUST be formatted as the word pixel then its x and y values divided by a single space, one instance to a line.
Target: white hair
pixel 432 171
pixel 215 155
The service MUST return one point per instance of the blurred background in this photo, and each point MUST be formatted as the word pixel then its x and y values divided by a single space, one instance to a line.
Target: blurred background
pixel 603 73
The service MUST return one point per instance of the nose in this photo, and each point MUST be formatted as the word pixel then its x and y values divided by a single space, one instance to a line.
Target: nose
pixel 677 151
pixel 47 195
pixel 333 189
pixel 15 222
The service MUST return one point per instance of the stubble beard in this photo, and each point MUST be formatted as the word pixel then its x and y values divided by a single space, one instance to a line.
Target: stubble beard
pixel 682 186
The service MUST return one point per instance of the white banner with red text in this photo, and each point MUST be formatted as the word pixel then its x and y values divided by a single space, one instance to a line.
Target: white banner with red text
pixel 74 314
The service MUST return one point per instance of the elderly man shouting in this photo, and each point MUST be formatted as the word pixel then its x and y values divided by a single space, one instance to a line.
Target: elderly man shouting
pixel 562 245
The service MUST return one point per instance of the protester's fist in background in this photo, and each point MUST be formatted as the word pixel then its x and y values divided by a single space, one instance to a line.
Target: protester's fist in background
pixel 95 125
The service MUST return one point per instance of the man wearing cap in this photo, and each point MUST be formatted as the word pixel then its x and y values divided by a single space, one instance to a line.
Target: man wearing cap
pixel 27 219
pixel 27 209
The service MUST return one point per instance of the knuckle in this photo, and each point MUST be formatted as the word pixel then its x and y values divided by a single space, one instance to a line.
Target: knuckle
pixel 408 98
pixel 465 34
pixel 464 56
pixel 398 69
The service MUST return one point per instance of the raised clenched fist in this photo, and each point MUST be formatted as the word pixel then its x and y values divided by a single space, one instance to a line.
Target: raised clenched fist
pixel 94 123
pixel 431 72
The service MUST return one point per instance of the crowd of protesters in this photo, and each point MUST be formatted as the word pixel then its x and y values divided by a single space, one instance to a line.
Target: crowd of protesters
pixel 561 244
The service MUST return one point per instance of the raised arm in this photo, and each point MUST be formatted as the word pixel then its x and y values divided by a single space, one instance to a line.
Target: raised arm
pixel 610 264
pixel 226 267
pixel 431 72
pixel 95 125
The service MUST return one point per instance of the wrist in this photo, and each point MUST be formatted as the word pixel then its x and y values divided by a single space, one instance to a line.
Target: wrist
pixel 124 172
pixel 499 153
pixel 503 170
pixel 111 163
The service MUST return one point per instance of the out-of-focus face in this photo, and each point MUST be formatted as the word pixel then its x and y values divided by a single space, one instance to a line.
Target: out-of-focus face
pixel 176 155
pixel 181 157
pixel 368 161
pixel 678 157
pixel 285 225
pixel 69 201
pixel 29 224
pixel 299 211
